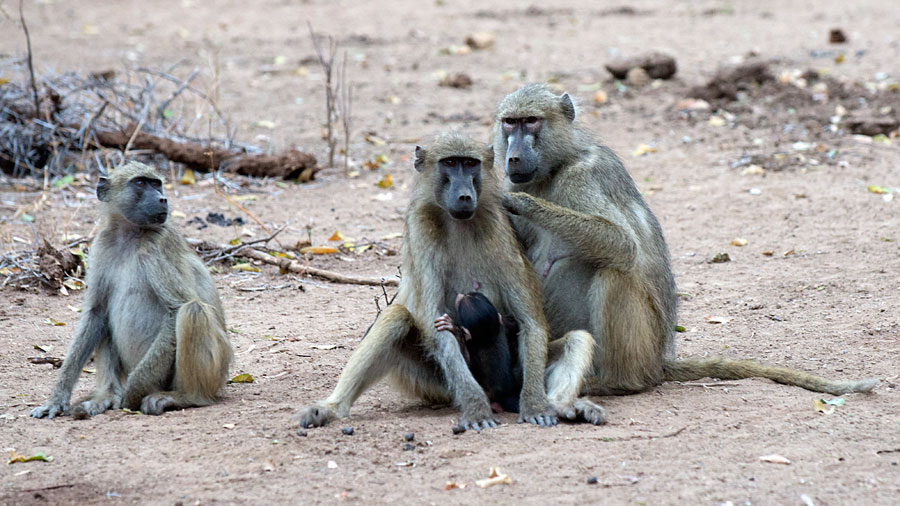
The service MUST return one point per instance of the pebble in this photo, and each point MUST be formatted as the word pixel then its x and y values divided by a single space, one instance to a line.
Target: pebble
pixel 301 432
pixel 409 447
pixel 592 480
pixel 458 429
pixel 347 431
pixel 409 436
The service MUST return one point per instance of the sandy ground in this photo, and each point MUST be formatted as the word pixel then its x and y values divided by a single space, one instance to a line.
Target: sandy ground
pixel 830 305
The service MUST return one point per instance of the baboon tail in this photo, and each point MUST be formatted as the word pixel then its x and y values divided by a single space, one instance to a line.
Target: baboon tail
pixel 723 368
pixel 202 353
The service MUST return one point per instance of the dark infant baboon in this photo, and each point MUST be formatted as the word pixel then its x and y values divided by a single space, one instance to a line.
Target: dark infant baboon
pixel 489 343
pixel 151 311
pixel 600 253
pixel 457 233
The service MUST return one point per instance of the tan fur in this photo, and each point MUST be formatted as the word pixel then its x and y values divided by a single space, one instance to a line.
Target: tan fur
pixel 610 274
pixel 442 257
pixel 151 312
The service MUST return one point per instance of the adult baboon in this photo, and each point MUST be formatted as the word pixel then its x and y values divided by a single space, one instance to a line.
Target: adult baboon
pixel 600 252
pixel 456 234
pixel 489 343
pixel 151 310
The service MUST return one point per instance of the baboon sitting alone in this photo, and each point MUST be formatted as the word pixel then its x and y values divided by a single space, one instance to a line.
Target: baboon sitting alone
pixel 489 343
pixel 457 233
pixel 600 252
pixel 151 311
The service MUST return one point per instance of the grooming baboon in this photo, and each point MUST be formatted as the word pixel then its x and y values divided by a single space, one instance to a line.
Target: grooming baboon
pixel 489 343
pixel 151 311
pixel 600 252
pixel 456 234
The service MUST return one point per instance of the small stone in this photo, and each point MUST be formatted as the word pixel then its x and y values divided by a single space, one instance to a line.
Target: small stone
pixel 592 480
pixel 409 436
pixel 409 447
pixel 480 40
pixel 347 431
pixel 301 432
pixel 837 36
pixel 458 429
pixel 637 77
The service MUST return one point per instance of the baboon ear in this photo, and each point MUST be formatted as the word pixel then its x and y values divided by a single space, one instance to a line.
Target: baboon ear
pixel 567 106
pixel 419 164
pixel 103 189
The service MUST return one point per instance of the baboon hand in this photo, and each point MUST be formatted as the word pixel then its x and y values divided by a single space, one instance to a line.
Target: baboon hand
pixel 478 418
pixel 444 323
pixel 518 203
pixel 50 409
pixel 545 417
pixel 315 416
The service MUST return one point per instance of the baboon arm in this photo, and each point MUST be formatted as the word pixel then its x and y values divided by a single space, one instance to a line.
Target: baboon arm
pixel 91 329
pixel 155 370
pixel 603 240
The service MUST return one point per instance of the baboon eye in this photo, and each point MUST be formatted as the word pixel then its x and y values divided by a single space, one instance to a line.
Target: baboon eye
pixel 139 182
pixel 510 121
pixel 470 162
pixel 531 120
pixel 450 162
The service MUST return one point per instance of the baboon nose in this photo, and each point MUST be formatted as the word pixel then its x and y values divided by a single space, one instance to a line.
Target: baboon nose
pixel 163 200
pixel 465 198
pixel 513 160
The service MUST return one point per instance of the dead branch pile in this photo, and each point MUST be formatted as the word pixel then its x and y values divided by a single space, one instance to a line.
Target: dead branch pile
pixel 76 121
pixel 47 267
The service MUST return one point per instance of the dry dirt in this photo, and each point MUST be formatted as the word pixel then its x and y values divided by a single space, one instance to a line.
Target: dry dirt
pixel 830 306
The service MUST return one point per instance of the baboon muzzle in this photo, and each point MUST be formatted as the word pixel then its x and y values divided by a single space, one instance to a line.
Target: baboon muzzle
pixel 520 160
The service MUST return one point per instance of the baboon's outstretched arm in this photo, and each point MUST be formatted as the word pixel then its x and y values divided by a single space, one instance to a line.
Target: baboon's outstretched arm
pixel 91 329
pixel 602 240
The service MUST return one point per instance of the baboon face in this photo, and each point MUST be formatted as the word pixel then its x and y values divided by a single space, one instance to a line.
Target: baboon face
pixel 531 122
pixel 521 159
pixel 140 200
pixel 477 316
pixel 459 184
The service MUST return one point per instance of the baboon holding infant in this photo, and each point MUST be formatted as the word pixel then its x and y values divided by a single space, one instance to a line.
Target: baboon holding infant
pixel 151 312
pixel 456 234
pixel 600 254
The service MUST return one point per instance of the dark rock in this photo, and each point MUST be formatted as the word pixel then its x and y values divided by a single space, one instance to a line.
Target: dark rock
pixel 657 65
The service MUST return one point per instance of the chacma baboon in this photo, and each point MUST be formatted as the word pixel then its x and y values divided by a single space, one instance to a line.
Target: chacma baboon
pixel 489 343
pixel 456 234
pixel 150 311
pixel 600 252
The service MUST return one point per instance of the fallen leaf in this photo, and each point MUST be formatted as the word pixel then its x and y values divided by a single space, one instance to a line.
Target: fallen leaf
pixel 64 181
pixel 739 242
pixel 382 159
pixel 244 198
pixel 720 258
pixel 242 378
pixel 323 346
pixel 54 322
pixel 717 121
pixel 822 407
pixel 375 140
pixel 395 235
pixel 775 459
pixel 73 308
pixel 601 97
pixel 679 328
pixel 719 319
pixel 768 253
pixel 495 478
pixel 188 177
pixel 15 457
pixel 318 250
pixel 753 170
pixel 336 236
pixel 270 125
pixel 450 485
pixel 228 426
pixel 880 190
pixel 386 182
pixel 178 214
pixel 246 267
pixel 480 40
pixel 332 464
pixel 643 149
pixel 46 348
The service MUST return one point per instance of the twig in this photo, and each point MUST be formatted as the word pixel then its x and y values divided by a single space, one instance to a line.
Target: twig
pixel 331 92
pixel 631 438
pixel 710 385
pixel 37 98
pixel 286 264
pixel 56 362
pixel 346 111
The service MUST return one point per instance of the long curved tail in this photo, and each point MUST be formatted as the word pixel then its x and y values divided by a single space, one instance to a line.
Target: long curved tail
pixel 692 369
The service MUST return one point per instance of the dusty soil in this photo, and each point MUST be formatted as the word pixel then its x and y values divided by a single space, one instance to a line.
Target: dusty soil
pixel 826 299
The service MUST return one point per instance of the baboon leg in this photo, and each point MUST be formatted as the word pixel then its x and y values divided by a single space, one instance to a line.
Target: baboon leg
pixel 202 354
pixel 154 372
pixel 628 355
pixel 378 354
pixel 570 359
pixel 108 394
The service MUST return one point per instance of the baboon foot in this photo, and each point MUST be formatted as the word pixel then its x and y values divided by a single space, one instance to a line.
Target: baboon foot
pixel 156 404
pixel 544 416
pixel 50 409
pixel 583 409
pixel 93 407
pixel 315 416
